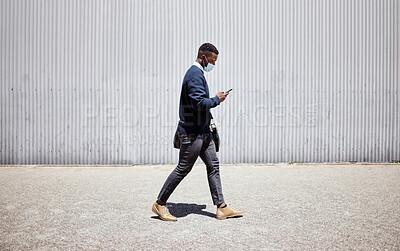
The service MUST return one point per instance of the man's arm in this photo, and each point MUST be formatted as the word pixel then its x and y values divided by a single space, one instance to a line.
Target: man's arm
pixel 198 96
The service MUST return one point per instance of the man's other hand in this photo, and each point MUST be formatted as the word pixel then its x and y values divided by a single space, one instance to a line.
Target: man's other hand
pixel 211 130
pixel 222 96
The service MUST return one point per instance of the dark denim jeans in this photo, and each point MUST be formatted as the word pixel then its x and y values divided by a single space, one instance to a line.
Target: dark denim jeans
pixel 192 147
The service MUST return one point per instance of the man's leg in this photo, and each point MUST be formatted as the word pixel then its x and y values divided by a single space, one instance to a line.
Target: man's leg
pixel 189 151
pixel 210 158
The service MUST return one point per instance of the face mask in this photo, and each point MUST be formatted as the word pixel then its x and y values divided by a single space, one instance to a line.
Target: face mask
pixel 209 66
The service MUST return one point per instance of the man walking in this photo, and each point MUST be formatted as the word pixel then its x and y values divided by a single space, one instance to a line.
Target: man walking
pixel 195 136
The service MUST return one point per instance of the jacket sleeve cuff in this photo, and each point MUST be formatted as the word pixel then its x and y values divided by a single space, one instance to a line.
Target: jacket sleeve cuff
pixel 216 99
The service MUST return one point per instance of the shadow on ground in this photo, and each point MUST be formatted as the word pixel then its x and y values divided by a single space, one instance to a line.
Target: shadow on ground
pixel 181 210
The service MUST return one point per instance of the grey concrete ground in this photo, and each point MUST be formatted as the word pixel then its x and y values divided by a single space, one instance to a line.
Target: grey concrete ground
pixel 287 207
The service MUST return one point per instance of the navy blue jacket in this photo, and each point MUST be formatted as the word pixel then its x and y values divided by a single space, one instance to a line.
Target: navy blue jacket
pixel 195 103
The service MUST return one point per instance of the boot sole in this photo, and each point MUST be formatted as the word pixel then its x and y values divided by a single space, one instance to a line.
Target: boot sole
pixel 154 209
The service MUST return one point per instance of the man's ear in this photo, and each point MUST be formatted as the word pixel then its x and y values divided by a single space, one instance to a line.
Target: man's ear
pixel 203 60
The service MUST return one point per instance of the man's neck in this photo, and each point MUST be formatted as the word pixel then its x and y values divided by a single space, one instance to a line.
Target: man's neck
pixel 198 60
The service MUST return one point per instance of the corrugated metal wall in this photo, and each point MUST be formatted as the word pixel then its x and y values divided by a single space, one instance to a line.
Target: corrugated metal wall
pixel 98 82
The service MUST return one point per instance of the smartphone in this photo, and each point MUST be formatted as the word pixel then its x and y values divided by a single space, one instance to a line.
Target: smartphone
pixel 229 91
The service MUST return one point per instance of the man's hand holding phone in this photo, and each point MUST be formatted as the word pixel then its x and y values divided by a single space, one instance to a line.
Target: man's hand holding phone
pixel 222 95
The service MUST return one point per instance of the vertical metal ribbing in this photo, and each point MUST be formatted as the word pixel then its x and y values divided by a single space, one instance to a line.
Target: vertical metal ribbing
pixel 98 82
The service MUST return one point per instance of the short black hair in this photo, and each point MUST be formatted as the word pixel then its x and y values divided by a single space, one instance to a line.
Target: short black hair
pixel 207 47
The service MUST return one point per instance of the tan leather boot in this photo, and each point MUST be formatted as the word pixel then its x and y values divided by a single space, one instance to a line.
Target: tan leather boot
pixel 227 212
pixel 163 212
